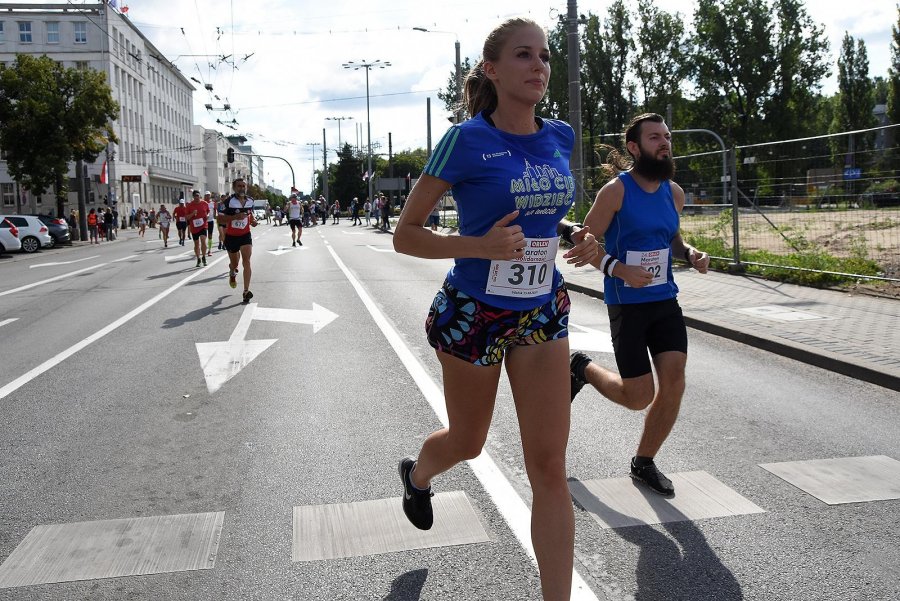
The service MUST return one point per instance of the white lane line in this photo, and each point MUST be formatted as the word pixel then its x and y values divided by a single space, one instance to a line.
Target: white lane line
pixel 59 277
pixel 62 262
pixel 59 358
pixel 6 321
pixel 380 250
pixel 508 502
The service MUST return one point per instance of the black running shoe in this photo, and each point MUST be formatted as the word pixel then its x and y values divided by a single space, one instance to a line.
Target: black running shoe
pixel 577 362
pixel 416 503
pixel 653 478
pixel 247 296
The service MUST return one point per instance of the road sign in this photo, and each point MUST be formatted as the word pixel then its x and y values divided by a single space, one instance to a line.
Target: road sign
pixel 852 172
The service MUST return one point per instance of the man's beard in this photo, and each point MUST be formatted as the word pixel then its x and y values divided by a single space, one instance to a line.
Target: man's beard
pixel 654 169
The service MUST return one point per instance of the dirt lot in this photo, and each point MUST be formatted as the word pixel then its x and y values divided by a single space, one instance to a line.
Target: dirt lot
pixel 872 234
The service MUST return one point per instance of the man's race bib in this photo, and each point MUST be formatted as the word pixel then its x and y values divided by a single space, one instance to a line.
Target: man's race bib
pixel 182 219
pixel 240 224
pixel 654 261
pixel 528 277
pixel 199 222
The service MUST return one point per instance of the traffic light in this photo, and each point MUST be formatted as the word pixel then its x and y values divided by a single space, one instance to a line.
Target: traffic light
pixel 230 155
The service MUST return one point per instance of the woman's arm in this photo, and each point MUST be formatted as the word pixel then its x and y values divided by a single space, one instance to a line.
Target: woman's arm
pixel 503 241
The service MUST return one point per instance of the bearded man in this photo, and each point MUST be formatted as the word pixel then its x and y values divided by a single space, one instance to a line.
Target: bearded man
pixel 637 213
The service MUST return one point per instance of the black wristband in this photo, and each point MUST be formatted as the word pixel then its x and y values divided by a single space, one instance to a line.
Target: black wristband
pixel 569 230
pixel 687 255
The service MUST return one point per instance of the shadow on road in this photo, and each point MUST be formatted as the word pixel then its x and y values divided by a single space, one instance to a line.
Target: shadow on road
pixel 681 566
pixel 198 314
pixel 408 586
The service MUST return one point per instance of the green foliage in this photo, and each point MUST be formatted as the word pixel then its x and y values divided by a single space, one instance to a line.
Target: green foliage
pixel 50 115
pixel 893 100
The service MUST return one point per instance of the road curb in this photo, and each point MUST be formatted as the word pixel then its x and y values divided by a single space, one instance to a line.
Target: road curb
pixel 822 359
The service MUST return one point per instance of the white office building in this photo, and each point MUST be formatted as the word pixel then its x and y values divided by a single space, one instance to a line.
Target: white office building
pixel 152 163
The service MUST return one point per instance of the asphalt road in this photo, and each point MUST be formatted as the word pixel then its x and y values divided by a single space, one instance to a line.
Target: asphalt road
pixel 106 414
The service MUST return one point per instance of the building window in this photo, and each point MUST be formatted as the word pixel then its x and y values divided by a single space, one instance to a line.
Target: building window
pixel 2 33
pixel 38 200
pixel 52 32
pixel 82 65
pixel 80 32
pixel 9 195
pixel 25 32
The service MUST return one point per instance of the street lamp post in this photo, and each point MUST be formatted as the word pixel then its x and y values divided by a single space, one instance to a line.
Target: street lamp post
pixel 457 112
pixel 367 66
pixel 313 146
pixel 338 119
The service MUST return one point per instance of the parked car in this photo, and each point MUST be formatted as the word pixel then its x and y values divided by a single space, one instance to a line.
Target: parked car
pixel 59 229
pixel 33 234
pixel 9 236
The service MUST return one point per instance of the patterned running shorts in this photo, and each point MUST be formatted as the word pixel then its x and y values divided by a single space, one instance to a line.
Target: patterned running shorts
pixel 479 333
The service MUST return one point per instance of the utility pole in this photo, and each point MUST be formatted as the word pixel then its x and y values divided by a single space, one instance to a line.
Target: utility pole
pixel 325 164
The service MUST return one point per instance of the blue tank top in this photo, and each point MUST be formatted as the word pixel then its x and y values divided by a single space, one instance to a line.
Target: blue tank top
pixel 640 234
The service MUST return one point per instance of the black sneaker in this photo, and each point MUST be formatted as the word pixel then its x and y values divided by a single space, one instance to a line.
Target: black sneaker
pixel 577 362
pixel 247 296
pixel 416 503
pixel 653 478
pixel 198 261
pixel 204 261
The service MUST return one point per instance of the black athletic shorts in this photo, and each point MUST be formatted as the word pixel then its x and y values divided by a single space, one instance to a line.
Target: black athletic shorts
pixel 295 223
pixel 182 225
pixel 210 228
pixel 233 244
pixel 198 235
pixel 639 327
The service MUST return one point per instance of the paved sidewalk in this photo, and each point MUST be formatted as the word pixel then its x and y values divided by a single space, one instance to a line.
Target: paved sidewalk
pixel 851 334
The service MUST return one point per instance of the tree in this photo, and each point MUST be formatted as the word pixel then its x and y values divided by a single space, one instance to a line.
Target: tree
pixel 448 95
pixel 893 102
pixel 348 181
pixel 856 97
pixel 801 50
pixel 734 64
pixel 661 62
pixel 605 108
pixel 49 116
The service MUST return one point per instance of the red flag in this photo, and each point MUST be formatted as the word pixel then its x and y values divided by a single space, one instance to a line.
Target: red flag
pixel 104 173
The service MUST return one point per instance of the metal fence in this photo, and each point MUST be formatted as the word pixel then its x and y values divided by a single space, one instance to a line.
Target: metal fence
pixel 788 200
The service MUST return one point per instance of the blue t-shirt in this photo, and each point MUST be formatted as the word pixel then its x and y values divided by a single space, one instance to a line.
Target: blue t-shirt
pixel 642 229
pixel 493 173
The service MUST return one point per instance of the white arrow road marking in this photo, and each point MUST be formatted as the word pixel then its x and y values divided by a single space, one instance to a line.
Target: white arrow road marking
pixel 285 249
pixel 62 262
pixel 589 339
pixel 319 317
pixel 380 250
pixel 179 256
pixel 221 361
pixel 6 321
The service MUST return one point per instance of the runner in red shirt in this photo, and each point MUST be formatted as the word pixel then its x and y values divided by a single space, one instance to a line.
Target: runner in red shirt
pixel 180 215
pixel 196 213
pixel 238 219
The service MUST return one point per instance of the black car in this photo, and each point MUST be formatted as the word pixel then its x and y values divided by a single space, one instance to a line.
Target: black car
pixel 59 229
